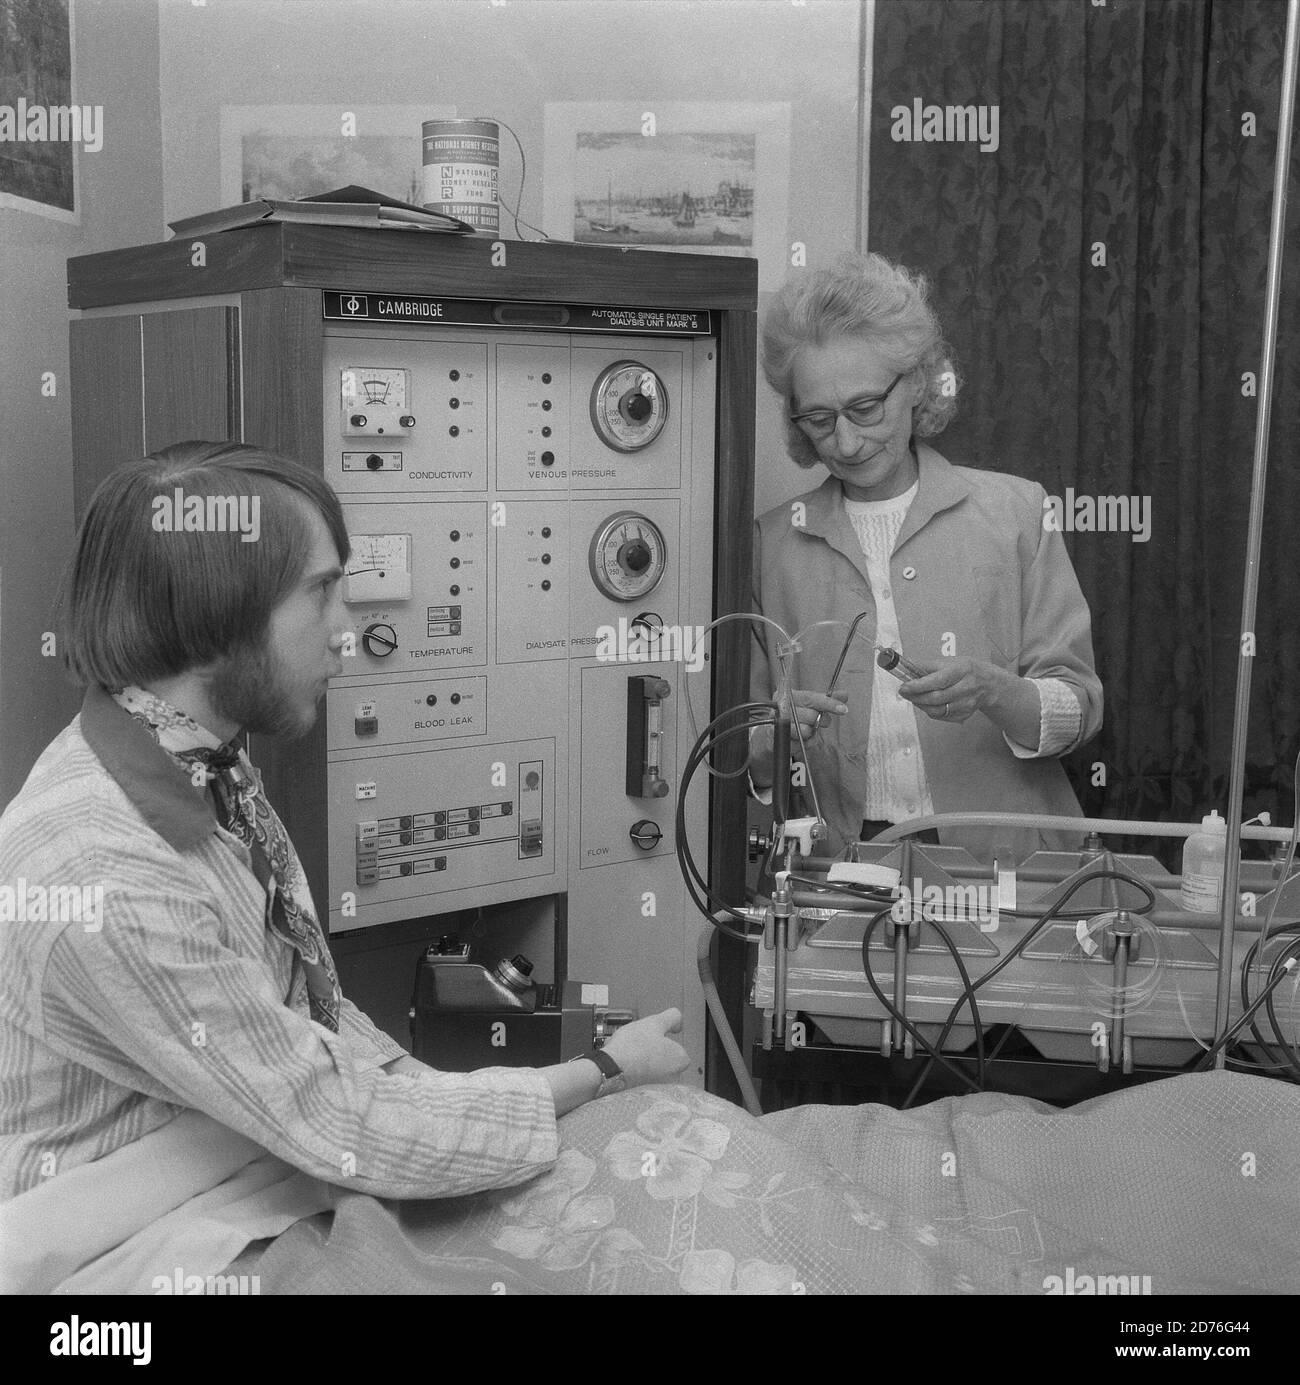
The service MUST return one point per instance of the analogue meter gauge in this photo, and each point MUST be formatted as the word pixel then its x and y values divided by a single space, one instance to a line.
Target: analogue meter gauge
pixel 628 556
pixel 379 568
pixel 629 406
pixel 376 401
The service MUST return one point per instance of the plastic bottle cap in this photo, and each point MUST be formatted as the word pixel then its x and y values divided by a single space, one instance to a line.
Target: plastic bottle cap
pixel 1214 823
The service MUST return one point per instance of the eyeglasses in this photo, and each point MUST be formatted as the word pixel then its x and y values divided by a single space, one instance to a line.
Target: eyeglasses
pixel 864 412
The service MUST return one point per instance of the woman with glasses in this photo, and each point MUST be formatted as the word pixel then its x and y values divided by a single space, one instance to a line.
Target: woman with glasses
pixel 949 567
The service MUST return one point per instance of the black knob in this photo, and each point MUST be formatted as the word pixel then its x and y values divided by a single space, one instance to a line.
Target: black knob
pixel 358 420
pixel 375 462
pixel 379 640
pixel 638 407
pixel 646 834
pixel 634 556
pixel 514 973
pixel 407 420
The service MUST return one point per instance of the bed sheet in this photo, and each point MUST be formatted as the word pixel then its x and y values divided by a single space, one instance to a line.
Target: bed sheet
pixel 1187 1185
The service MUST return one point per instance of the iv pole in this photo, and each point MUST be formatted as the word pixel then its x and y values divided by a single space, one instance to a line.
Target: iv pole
pixel 1245 653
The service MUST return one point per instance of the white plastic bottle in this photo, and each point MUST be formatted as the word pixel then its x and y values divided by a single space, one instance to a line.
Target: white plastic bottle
pixel 1203 857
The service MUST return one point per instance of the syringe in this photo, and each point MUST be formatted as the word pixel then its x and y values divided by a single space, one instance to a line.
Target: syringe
pixel 893 662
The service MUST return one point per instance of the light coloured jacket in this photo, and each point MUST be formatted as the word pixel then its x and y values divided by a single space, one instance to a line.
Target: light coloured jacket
pixel 973 573
pixel 172 993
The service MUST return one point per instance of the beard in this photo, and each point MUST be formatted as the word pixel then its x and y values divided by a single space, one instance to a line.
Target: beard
pixel 252 689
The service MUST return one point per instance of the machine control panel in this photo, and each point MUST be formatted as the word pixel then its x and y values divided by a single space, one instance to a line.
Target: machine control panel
pixel 522 501
pixel 518 503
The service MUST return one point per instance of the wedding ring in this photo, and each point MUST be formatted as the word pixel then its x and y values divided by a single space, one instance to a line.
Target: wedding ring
pixel 945 711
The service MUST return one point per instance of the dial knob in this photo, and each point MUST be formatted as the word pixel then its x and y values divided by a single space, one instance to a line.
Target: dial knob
pixel 634 556
pixel 379 640
pixel 629 406
pixel 646 834
pixel 628 556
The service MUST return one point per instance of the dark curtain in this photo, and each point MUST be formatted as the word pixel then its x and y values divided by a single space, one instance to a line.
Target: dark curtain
pixel 1124 125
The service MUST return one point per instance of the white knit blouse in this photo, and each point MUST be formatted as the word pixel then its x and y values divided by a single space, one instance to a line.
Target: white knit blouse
pixel 896 782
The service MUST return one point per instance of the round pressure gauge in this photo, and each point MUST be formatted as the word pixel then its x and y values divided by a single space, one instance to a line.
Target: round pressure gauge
pixel 628 556
pixel 629 406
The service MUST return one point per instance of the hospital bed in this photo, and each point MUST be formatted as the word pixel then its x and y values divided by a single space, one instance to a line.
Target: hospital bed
pixel 1190 1184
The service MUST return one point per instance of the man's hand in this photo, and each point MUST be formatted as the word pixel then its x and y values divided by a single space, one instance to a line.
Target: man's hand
pixel 645 1052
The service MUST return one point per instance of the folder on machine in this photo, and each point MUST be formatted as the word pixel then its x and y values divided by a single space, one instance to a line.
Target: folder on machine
pixel 349 206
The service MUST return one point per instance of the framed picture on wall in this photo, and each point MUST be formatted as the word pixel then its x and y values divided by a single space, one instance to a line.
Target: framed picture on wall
pixel 709 177
pixel 41 131
pixel 285 152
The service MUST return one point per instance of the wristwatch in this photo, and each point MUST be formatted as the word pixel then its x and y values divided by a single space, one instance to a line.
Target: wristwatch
pixel 612 1077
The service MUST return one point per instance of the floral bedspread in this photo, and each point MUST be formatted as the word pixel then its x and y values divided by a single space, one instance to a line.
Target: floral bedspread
pixel 1182 1186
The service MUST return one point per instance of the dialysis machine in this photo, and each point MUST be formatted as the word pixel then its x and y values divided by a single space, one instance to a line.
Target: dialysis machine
pixel 541 451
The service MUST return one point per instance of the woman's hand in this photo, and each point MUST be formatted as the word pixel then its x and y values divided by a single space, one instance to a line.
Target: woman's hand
pixel 955 689
pixel 952 690
pixel 809 710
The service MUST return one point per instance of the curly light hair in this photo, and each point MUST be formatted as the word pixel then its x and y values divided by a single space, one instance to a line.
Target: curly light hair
pixel 884 304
